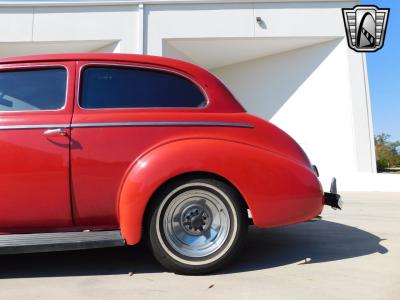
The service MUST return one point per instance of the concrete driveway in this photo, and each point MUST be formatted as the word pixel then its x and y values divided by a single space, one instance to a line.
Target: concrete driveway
pixel 351 254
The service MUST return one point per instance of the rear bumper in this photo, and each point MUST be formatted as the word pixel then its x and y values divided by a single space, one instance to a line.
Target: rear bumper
pixel 332 198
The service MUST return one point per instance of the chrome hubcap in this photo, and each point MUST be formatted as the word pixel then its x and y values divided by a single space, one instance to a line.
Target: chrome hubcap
pixel 195 219
pixel 196 223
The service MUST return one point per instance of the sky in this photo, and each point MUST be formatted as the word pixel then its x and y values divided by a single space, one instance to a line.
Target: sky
pixel 384 74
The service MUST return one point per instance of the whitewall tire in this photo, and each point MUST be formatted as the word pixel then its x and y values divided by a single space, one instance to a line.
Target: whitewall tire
pixel 197 225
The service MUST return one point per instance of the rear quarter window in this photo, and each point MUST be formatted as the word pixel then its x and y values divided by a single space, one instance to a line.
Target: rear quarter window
pixel 122 87
pixel 30 90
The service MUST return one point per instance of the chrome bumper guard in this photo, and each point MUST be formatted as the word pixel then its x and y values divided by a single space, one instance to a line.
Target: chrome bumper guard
pixel 333 198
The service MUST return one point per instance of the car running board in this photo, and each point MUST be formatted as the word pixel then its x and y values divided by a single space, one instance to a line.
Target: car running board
pixel 59 241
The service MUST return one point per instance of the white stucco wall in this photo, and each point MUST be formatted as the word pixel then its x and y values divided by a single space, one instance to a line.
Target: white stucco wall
pixel 317 93
pixel 78 29
pixel 196 21
pixel 294 69
pixel 306 92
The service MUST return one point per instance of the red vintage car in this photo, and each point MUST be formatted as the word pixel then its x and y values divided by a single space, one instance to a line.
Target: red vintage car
pixel 102 150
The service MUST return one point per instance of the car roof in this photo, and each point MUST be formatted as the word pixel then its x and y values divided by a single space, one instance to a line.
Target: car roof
pixel 224 100
pixel 135 58
pixel 85 56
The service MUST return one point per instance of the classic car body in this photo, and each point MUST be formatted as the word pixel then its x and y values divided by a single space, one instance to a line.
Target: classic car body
pixel 87 167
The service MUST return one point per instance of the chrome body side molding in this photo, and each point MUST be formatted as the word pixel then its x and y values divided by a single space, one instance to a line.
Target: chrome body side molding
pixel 127 124
pixel 40 126
pixel 154 124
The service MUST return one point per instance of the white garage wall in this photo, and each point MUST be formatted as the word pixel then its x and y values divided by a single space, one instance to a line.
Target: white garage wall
pixel 306 92
pixel 33 47
pixel 305 19
pixel 83 23
pixel 339 125
pixel 320 93
pixel 176 21
pixel 197 20
pixel 15 24
pixel 362 119
pixel 107 28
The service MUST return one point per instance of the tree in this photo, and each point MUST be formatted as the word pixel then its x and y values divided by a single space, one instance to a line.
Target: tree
pixel 387 155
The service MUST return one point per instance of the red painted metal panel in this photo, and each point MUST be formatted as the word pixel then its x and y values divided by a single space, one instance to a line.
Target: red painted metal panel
pixel 34 176
pixel 278 190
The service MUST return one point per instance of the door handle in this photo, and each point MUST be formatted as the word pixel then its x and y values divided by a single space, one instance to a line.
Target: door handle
pixel 57 131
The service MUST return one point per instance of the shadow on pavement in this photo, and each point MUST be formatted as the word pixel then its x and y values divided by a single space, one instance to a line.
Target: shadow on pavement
pixel 305 243
pixel 315 242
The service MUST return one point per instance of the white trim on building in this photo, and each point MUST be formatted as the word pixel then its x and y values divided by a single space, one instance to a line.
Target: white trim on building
pixel 39 3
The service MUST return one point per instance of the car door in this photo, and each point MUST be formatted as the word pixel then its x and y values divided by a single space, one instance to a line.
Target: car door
pixel 120 113
pixel 36 102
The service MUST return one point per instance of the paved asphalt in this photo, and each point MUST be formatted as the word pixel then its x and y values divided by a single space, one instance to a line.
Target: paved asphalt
pixel 351 254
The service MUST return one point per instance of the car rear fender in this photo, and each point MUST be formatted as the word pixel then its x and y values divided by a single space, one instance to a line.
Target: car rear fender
pixel 267 182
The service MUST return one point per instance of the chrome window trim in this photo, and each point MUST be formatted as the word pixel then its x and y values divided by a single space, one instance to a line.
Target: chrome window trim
pixel 50 66
pixel 138 66
pixel 128 124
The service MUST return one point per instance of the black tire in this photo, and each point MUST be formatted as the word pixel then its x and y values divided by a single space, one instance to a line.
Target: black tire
pixel 196 226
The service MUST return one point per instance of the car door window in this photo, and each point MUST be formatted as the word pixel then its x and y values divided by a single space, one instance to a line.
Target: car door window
pixel 29 90
pixel 119 87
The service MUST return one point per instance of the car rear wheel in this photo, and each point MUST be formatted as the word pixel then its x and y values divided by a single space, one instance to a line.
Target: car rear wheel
pixel 197 226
